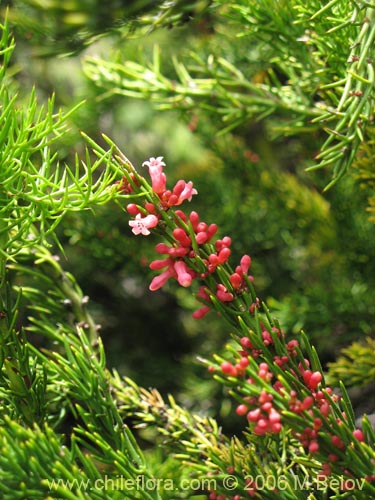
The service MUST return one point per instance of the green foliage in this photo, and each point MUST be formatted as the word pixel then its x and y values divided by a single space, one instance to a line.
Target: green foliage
pixel 47 468
pixel 295 83
pixel 70 27
pixel 364 164
pixel 356 364
pixel 76 383
pixel 23 379
pixel 35 189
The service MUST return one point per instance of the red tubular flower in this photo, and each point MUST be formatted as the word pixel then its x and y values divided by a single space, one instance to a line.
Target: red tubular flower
pixel 162 248
pixel 242 410
pixel 253 415
pixel 201 237
pixel 358 434
pixel 313 446
pixel 132 209
pixel 213 259
pixel 246 343
pixel 150 207
pixel 181 215
pixel 225 242
pixel 245 263
pixel 223 295
pixel 223 255
pixel 338 442
pixel 307 403
pixel 312 379
pixel 179 252
pixel 228 369
pixel 194 219
pixel 201 312
pixel 203 294
pixel 182 237
pixel 235 280
pixel 211 230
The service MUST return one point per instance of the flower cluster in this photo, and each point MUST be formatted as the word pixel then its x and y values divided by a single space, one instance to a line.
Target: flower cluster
pixel 188 233
pixel 147 218
pixel 277 386
pixel 190 254
pixel 267 403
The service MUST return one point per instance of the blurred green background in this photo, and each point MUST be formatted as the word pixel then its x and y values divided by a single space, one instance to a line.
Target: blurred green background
pixel 313 252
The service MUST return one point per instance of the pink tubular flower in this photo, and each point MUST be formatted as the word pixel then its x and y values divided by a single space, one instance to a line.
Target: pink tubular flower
pixel 184 274
pixel 156 265
pixel 141 225
pixel 158 178
pixel 160 280
pixel 181 192
pixel 175 269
